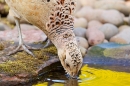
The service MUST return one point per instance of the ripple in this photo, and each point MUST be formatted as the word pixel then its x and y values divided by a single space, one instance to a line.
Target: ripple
pixel 99 77
pixel 91 77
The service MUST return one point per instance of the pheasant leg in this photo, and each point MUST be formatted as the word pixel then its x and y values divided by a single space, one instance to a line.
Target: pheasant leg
pixel 48 42
pixel 21 43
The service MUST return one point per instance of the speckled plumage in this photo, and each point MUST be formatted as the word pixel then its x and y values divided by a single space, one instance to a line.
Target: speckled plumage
pixel 54 18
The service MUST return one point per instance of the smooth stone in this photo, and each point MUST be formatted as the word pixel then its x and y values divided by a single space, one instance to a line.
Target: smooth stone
pixel 87 2
pixel 109 30
pixel 82 42
pixel 94 24
pixel 127 20
pixel 78 6
pixel 123 27
pixel 30 34
pixel 111 16
pixel 4 27
pixel 95 36
pixel 123 37
pixel 85 12
pixel 119 5
pixel 4 9
pixel 80 22
pixel 93 14
pixel 105 41
pixel 83 50
pixel 110 56
pixel 81 32
pixel 89 13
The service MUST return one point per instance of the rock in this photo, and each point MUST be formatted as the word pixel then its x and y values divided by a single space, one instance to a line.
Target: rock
pixel 89 48
pixel 94 24
pixel 78 6
pixel 105 41
pixel 126 20
pixel 94 36
pixel 85 12
pixel 93 14
pixel 127 3
pixel 110 56
pixel 104 16
pixel 123 27
pixel 83 50
pixel 119 5
pixel 19 69
pixel 4 9
pixel 123 8
pixel 4 27
pixel 30 34
pixel 88 2
pixel 109 30
pixel 122 37
pixel 111 16
pixel 81 32
pixel 82 42
pixel 80 22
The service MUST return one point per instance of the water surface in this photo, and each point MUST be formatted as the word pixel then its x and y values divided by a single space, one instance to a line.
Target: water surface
pixel 88 77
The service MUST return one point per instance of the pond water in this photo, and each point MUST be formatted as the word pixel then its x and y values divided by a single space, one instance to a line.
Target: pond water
pixel 88 76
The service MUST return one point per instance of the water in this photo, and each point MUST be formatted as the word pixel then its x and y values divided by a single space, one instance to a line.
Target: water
pixel 102 71
pixel 111 45
pixel 88 77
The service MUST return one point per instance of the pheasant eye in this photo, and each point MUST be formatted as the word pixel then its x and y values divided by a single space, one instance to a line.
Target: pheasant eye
pixel 67 65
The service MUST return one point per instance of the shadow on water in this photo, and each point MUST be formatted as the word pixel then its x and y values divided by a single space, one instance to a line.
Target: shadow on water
pixel 96 71
pixel 88 76
pixel 56 77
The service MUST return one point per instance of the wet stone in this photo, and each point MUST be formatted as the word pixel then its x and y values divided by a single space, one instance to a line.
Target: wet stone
pixel 109 56
pixel 21 68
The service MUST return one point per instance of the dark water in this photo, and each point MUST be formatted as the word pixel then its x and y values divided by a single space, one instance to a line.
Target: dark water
pixel 96 71
pixel 88 76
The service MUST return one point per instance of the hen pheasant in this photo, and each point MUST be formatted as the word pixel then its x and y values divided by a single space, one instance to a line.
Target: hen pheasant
pixel 54 18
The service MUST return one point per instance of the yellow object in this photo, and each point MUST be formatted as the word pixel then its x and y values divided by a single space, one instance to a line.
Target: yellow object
pixel 99 77
pixel 42 84
pixel 96 77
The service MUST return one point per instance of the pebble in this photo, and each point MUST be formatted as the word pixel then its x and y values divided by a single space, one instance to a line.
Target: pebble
pixel 30 34
pixel 78 6
pixel 81 32
pixel 85 12
pixel 109 30
pixel 3 27
pixel 119 5
pixel 111 16
pixel 83 50
pixel 87 2
pixel 80 22
pixel 82 42
pixel 122 37
pixel 95 36
pixel 123 27
pixel 94 24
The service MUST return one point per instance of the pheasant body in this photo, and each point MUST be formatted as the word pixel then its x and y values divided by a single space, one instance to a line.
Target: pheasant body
pixel 54 18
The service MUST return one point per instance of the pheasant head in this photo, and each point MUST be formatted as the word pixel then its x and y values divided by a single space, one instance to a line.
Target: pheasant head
pixel 71 58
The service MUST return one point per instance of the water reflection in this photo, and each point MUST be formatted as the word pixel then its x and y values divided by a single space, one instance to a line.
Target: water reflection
pixel 88 77
pixel 71 82
pixel 68 82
